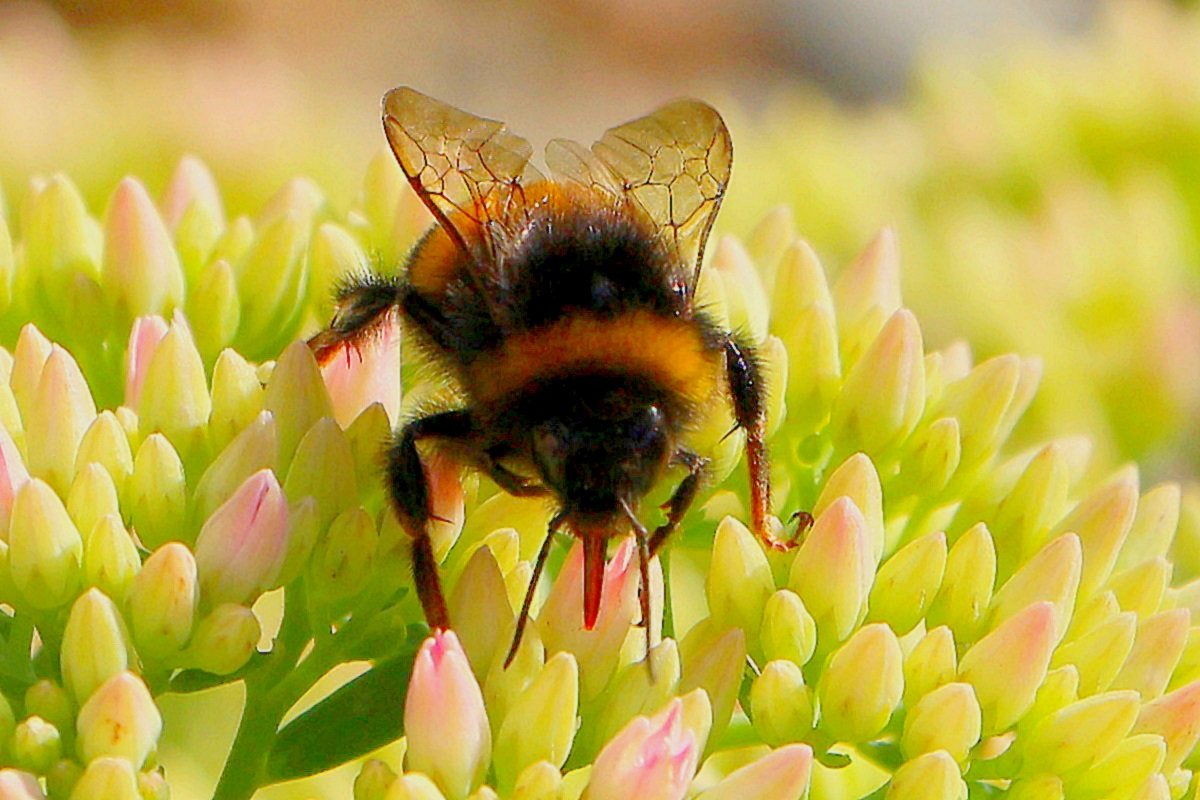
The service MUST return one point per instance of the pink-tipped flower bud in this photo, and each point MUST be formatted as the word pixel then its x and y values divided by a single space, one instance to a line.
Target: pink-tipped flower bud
pixel 446 723
pixel 241 548
pixel 651 757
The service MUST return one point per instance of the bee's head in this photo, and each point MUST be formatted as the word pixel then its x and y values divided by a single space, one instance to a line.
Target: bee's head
pixel 595 462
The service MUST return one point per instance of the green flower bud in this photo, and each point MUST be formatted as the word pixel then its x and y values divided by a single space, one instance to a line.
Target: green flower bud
pixel 48 700
pixel 29 358
pixel 1103 520
pixel 60 240
pixel 224 640
pixel 214 309
pixel 739 579
pixel 932 776
pixel 1024 517
pixel 8 721
pixel 713 660
pixel 373 780
pixel 788 630
pixel 484 620
pixel 95 644
pixel 933 662
pixel 235 242
pixel 110 558
pixel 868 292
pixel 811 391
pixel 119 719
pixel 414 786
pixel 253 449
pixel 323 468
pixel 1040 787
pixel 833 570
pixel 1142 588
pixel 779 774
pixel 107 778
pixel 304 528
pixel 774 356
pixel 539 781
pixel 62 411
pixel 1154 526
pixel 163 600
pixel 297 397
pixel 857 479
pixel 907 583
pixel 45 549
pixel 1052 575
pixel 93 495
pixel 141 267
pixel 1123 771
pixel 366 434
pixel 780 704
pixel 1007 666
pixel 769 242
pixel 299 197
pixel 1080 734
pixel 982 402
pixel 192 208
pixel 962 602
pixel 105 443
pixel 632 692
pixel 153 785
pixel 333 255
pixel 1156 650
pixel 540 725
pixel 237 398
pixel 6 266
pixel 862 684
pixel 343 561
pixel 272 279
pixel 946 719
pixel 1099 654
pixel 884 393
pixel 935 451
pixel 158 492
pixel 175 400
pixel 62 777
pixel 36 745
pixel 1058 690
pixel 745 299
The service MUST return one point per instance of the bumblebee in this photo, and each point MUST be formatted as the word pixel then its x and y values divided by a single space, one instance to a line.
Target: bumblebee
pixel 565 311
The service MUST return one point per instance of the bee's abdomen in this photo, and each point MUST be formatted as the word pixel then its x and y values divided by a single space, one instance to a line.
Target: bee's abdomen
pixel 671 353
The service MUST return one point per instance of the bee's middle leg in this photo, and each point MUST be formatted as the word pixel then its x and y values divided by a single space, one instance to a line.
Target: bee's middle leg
pixel 408 485
pixel 681 498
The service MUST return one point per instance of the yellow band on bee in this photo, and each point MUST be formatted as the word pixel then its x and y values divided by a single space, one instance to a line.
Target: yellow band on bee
pixel 666 350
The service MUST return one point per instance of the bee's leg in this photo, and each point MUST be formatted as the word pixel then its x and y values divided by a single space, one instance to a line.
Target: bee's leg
pixel 361 305
pixel 682 497
pixel 511 482
pixel 409 488
pixel 640 534
pixel 523 618
pixel 749 397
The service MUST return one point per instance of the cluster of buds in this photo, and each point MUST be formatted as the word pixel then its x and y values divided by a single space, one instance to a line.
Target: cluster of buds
pixel 1019 177
pixel 958 619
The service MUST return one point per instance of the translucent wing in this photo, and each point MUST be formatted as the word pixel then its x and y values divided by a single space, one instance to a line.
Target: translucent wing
pixel 469 171
pixel 673 164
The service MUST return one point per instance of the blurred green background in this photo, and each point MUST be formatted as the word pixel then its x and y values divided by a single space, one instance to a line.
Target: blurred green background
pixel 1040 161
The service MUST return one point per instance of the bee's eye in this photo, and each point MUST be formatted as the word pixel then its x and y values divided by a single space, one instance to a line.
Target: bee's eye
pixel 647 430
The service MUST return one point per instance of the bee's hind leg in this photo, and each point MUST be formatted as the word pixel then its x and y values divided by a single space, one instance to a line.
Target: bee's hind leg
pixel 409 489
pixel 361 305
pixel 748 396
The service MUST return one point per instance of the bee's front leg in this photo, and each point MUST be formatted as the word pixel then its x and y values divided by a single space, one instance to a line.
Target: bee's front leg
pixel 361 304
pixel 409 487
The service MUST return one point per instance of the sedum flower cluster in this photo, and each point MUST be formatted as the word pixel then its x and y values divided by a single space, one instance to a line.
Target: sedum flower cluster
pixel 187 500
pixel 1047 195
